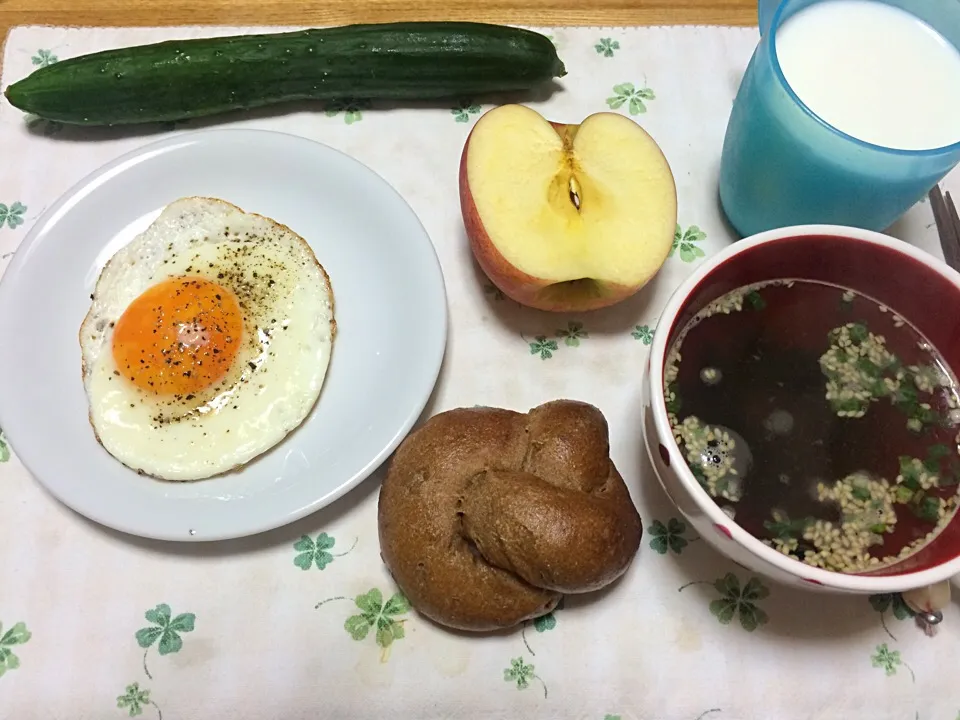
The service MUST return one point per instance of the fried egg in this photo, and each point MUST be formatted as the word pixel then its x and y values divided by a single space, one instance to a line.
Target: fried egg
pixel 207 341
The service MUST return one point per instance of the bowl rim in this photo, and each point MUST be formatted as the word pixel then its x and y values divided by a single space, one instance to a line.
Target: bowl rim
pixel 813 575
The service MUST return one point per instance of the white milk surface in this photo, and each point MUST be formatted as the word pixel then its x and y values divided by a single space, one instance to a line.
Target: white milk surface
pixel 874 72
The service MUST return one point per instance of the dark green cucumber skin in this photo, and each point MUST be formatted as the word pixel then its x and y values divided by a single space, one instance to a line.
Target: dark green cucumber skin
pixel 178 80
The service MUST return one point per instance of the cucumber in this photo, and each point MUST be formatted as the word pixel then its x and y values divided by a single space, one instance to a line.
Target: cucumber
pixel 182 79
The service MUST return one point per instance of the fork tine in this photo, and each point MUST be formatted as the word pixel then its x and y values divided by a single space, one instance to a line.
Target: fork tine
pixel 954 221
pixel 954 218
pixel 947 228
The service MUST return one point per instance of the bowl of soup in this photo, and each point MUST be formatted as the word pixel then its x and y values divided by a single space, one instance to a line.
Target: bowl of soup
pixel 802 409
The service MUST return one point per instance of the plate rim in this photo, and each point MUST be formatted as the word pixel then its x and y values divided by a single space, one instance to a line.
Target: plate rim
pixel 434 361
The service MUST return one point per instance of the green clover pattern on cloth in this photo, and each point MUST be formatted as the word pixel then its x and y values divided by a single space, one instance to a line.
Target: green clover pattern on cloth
pixel 16 635
pixel 164 632
pixel 135 699
pixel 379 616
pixel 316 553
pixel 12 215
pixel 735 601
pixel 633 99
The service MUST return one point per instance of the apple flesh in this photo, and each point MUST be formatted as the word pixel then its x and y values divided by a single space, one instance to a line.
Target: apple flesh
pixel 566 218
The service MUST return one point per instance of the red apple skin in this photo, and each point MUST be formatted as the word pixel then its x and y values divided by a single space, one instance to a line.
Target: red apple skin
pixel 516 284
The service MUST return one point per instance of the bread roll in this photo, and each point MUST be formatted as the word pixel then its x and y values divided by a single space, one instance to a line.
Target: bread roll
pixel 488 516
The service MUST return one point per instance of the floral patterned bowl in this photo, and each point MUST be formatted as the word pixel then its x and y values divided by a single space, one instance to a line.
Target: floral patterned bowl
pixel 911 282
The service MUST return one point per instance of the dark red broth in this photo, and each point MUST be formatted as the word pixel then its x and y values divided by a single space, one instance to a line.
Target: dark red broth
pixel 793 337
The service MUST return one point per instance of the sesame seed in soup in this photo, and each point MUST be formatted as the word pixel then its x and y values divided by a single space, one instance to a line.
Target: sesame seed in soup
pixel 821 421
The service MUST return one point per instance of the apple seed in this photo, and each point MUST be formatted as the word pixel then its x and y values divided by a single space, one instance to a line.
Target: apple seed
pixel 575 192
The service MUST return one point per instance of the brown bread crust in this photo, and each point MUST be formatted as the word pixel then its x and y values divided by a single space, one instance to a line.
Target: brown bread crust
pixel 488 516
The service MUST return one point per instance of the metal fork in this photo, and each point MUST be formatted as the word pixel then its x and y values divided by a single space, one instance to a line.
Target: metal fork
pixel 948 226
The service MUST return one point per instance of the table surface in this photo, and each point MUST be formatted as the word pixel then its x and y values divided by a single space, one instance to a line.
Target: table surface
pixel 332 12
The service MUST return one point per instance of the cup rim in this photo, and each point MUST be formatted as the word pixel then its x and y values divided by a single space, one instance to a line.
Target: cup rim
pixel 816 576
pixel 782 79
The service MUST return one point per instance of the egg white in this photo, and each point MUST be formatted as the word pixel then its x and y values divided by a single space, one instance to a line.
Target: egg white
pixel 287 305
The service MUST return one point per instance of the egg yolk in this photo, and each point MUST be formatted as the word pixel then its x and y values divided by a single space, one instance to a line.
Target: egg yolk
pixel 178 337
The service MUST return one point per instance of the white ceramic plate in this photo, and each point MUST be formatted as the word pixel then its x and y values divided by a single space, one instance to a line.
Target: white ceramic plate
pixel 390 308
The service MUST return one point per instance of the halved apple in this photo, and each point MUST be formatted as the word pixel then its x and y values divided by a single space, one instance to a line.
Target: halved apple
pixel 566 217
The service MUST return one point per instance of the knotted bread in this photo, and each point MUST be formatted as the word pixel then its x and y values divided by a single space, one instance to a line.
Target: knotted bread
pixel 488 516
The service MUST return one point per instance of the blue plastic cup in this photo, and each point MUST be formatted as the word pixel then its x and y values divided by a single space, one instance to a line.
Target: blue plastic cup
pixel 783 165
